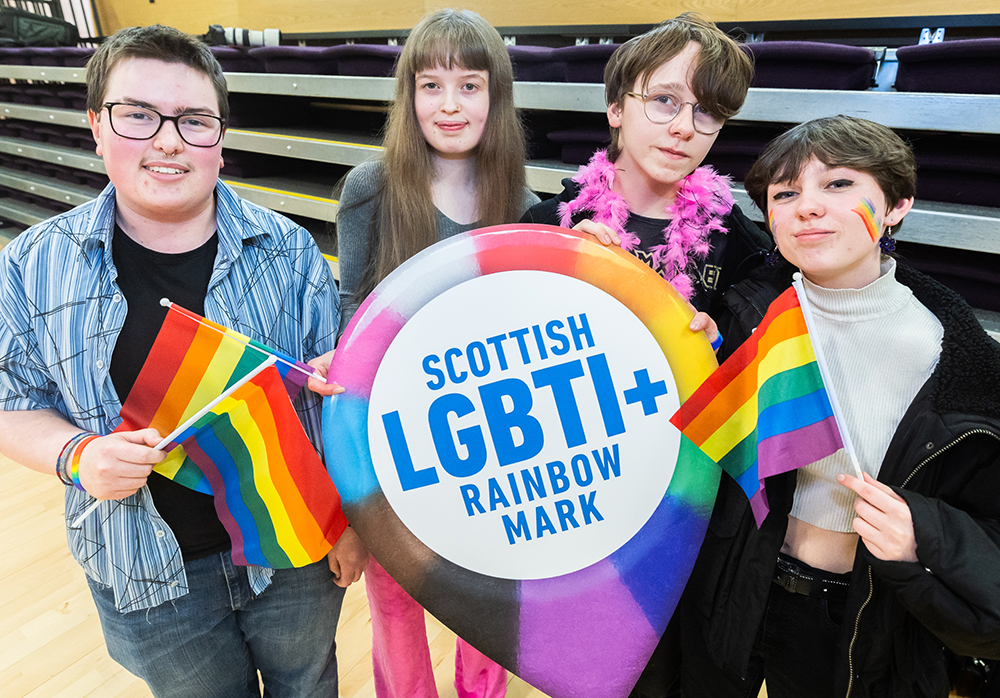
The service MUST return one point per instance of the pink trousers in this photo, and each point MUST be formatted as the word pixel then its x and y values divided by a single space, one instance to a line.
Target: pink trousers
pixel 401 661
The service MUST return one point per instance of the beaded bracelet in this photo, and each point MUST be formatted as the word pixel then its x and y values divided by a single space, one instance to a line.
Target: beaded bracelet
pixel 68 463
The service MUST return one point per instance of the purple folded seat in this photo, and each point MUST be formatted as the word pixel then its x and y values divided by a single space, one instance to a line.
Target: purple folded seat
pixel 56 135
pixel 15 55
pixel 46 96
pixel 234 59
pixel 958 168
pixel 585 63
pixel 536 63
pixel 73 97
pixel 578 144
pixel 737 148
pixel 366 60
pixel 303 60
pixel 69 56
pixel 811 65
pixel 969 66
pixel 44 56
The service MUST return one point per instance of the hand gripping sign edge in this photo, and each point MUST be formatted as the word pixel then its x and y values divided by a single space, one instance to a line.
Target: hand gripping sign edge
pixel 589 632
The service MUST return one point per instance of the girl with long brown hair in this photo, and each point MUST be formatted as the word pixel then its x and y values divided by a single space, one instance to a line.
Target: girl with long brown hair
pixel 454 161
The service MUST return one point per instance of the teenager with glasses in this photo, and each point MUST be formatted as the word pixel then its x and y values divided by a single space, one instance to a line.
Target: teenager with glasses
pixel 669 93
pixel 81 310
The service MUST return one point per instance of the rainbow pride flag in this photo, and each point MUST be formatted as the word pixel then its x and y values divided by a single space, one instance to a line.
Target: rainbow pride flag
pixel 272 492
pixel 766 410
pixel 192 361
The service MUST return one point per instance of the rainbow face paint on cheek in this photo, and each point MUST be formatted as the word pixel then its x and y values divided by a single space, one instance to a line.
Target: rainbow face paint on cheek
pixel 866 209
pixel 770 220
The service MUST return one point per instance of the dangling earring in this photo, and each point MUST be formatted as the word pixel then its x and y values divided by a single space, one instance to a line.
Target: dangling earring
pixel 887 243
pixel 774 257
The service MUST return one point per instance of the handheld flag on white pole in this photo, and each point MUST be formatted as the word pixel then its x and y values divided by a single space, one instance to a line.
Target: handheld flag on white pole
pixel 821 362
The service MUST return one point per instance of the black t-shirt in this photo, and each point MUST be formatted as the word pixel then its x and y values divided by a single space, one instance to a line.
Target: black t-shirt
pixel 723 266
pixel 705 273
pixel 144 277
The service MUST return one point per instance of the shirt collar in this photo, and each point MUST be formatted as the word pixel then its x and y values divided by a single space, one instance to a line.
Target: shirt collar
pixel 235 227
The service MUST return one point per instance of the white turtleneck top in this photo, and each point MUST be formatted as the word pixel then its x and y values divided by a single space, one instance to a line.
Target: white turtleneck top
pixel 880 345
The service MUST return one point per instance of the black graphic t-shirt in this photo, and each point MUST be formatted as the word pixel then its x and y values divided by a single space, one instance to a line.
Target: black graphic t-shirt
pixel 704 273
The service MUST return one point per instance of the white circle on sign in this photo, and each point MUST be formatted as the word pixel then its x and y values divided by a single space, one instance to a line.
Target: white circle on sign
pixel 519 425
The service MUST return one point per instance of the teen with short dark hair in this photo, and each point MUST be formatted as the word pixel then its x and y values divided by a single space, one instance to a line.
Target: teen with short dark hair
pixel 857 587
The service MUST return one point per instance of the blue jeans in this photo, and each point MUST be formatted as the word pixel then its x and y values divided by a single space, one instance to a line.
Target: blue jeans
pixel 211 642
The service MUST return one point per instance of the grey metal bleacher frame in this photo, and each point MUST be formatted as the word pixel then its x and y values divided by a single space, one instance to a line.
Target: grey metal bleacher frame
pixel 929 223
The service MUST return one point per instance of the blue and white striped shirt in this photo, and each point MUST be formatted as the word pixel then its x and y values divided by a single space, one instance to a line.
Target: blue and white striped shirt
pixel 59 321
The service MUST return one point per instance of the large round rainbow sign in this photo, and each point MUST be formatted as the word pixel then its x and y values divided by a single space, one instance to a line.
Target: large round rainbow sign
pixel 503 448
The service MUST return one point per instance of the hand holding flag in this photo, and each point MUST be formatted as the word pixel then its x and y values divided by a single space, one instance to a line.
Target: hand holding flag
pixel 233 433
pixel 884 520
pixel 767 409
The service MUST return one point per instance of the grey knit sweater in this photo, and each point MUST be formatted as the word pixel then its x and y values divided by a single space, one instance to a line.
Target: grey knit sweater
pixel 881 345
pixel 354 230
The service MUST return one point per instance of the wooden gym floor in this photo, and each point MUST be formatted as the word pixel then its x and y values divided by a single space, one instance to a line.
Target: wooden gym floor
pixel 50 636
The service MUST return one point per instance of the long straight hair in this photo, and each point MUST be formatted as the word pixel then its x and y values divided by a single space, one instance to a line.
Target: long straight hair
pixel 405 217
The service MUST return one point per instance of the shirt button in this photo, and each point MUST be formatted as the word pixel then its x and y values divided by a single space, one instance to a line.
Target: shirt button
pixel 117 297
pixel 160 534
pixel 174 583
pixel 100 364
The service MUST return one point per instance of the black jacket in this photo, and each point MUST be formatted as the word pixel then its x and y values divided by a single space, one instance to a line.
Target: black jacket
pixel 944 460
pixel 735 254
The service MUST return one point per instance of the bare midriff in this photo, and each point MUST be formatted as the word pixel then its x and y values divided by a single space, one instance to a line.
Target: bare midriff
pixel 832 551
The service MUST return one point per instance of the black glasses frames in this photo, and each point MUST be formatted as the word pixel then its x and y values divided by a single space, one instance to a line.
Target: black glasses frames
pixel 142 123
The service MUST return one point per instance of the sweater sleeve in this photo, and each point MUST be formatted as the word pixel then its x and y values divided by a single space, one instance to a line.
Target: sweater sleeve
pixel 355 226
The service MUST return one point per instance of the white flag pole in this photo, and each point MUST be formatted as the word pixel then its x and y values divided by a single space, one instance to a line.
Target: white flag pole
pixel 167 303
pixel 821 362
pixel 270 361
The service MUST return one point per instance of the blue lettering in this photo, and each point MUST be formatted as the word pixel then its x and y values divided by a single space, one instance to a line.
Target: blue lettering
pixel 497 496
pixel 542 522
pixel 514 492
pixel 533 484
pixel 564 509
pixel 557 476
pixel 455 377
pixel 609 465
pixel 582 472
pixel 497 343
pixel 436 374
pixel 607 397
pixel 588 509
pixel 582 331
pixel 503 423
pixel 551 330
pixel 519 336
pixel 481 366
pixel 409 478
pixel 521 529
pixel 470 497
pixel 537 332
pixel 559 378
pixel 444 441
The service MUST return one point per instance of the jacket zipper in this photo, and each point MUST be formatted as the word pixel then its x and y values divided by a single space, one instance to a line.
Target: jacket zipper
pixel 871 586
pixel 857 625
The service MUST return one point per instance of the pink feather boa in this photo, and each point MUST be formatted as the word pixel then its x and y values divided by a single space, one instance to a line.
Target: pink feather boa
pixel 703 199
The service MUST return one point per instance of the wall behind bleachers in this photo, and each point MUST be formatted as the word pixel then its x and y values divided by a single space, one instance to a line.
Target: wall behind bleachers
pixel 307 16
